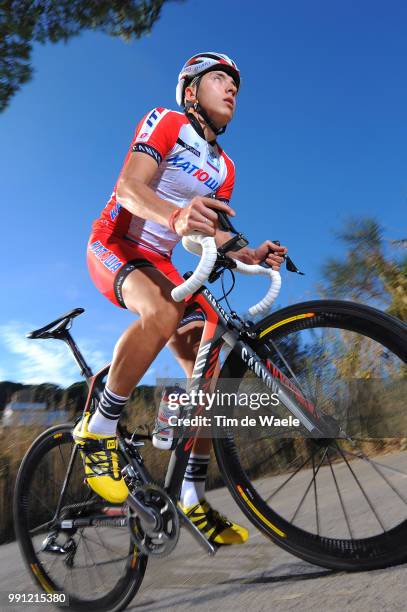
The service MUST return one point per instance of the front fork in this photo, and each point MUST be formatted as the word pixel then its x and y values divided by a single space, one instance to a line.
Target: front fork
pixel 316 423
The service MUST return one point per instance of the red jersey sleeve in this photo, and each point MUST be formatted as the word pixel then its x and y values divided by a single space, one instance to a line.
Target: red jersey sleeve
pixel 224 192
pixel 157 133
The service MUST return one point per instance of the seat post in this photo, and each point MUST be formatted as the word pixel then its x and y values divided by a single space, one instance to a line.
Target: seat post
pixel 84 368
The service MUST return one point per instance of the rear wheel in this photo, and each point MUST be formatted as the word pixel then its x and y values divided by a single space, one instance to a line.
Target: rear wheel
pixel 97 567
pixel 339 503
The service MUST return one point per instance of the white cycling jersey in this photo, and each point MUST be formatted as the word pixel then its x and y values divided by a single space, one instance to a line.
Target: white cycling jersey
pixel 187 166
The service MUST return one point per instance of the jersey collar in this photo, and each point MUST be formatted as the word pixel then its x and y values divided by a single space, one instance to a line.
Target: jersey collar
pixel 198 128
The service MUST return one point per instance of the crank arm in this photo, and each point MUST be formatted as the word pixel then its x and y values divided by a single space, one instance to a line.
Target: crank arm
pixel 143 512
pixel 210 548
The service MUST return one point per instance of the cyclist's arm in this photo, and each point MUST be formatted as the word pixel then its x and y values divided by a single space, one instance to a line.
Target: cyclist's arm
pixel 134 194
pixel 268 251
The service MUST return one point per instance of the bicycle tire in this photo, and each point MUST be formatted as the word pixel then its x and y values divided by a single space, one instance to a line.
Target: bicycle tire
pixel 126 585
pixel 358 554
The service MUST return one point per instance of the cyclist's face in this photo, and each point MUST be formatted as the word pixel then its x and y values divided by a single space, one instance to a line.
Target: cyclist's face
pixel 217 95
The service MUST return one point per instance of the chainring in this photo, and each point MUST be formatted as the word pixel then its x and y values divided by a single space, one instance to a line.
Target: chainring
pixel 161 541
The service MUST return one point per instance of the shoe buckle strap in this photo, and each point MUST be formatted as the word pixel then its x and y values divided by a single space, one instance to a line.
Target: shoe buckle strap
pixel 105 444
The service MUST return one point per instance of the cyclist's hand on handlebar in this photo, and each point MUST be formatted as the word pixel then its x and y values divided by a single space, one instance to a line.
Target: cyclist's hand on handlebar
pixel 271 253
pixel 200 216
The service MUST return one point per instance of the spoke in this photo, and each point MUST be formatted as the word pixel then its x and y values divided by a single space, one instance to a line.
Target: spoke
pixel 277 435
pixel 116 561
pixel 362 455
pixel 90 574
pixel 375 465
pixel 310 484
pixel 103 545
pixel 67 495
pixel 95 565
pixel 279 449
pixel 70 571
pixel 287 365
pixel 291 476
pixel 74 580
pixel 62 457
pixel 315 496
pixel 80 539
pixel 340 498
pixel 313 374
pixel 43 526
pixel 50 567
pixel 361 488
pixel 40 501
pixel 67 478
pixel 100 563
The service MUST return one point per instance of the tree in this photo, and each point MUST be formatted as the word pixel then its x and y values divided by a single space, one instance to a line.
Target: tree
pixel 23 22
pixel 6 391
pixel 372 268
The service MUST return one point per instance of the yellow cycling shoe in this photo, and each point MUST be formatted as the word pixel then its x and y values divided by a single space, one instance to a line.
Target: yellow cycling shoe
pixel 101 463
pixel 215 527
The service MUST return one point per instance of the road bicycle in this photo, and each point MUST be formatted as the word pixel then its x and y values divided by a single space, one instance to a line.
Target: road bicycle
pixel 346 494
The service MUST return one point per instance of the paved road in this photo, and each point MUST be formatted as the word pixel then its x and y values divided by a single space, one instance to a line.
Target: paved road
pixel 256 576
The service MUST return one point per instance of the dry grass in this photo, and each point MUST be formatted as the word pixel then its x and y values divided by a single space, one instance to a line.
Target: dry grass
pixel 14 444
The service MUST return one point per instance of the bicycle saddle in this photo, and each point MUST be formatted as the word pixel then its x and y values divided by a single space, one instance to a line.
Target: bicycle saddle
pixel 54 329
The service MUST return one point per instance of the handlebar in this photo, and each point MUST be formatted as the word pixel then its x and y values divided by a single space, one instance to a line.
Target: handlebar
pixel 205 248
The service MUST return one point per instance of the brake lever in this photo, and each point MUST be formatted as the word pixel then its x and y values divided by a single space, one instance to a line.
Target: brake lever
pixel 240 241
pixel 289 264
pixel 291 267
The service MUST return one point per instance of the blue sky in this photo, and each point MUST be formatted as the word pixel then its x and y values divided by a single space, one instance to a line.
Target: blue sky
pixel 319 134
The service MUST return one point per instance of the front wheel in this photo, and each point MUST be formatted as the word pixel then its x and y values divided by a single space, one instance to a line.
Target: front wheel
pixel 95 566
pixel 340 503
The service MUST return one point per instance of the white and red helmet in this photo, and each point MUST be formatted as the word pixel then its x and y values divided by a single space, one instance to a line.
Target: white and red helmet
pixel 201 63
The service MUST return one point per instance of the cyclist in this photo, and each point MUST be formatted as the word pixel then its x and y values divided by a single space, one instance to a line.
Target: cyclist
pixel 173 165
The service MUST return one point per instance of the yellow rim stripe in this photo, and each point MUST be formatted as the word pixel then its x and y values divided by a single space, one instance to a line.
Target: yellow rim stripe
pixel 259 514
pixel 57 435
pixel 135 557
pixel 45 585
pixel 285 321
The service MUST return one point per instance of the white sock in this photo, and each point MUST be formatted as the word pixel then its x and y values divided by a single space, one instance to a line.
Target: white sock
pixel 104 420
pixel 193 485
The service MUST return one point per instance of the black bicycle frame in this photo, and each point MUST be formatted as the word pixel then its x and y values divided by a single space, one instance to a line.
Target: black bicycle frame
pixel 220 329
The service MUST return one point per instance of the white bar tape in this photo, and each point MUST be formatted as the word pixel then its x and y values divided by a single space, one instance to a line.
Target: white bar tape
pixel 272 293
pixel 202 245
pixel 205 247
